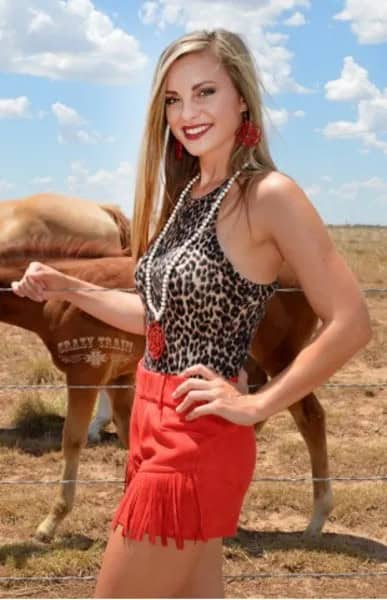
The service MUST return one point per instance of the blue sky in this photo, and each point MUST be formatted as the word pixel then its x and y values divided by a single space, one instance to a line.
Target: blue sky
pixel 75 78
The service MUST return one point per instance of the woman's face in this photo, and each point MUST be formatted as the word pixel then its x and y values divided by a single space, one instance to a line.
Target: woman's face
pixel 213 103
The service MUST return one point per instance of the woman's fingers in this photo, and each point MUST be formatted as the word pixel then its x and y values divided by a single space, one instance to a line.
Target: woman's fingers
pixel 17 289
pixel 196 396
pixel 28 286
pixel 40 282
pixel 199 369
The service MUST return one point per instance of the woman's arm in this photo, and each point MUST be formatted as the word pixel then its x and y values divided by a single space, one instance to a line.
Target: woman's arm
pixel 329 285
pixel 123 310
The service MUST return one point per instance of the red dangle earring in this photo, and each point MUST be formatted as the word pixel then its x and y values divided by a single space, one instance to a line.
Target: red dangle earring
pixel 178 149
pixel 248 134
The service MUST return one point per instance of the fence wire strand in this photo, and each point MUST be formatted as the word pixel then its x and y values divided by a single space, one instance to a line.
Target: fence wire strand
pixel 64 386
pixel 348 478
pixel 277 575
pixel 133 289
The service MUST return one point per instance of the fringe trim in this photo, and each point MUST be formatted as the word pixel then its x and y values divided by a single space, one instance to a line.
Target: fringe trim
pixel 129 473
pixel 161 504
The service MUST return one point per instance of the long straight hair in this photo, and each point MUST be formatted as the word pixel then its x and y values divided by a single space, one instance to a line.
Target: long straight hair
pixel 160 176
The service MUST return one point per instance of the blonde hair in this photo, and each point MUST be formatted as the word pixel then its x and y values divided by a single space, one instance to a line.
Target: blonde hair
pixel 152 204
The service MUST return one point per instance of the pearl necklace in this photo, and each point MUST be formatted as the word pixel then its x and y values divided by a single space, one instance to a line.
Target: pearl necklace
pixel 155 334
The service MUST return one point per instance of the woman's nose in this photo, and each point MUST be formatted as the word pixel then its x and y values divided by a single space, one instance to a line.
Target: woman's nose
pixel 188 113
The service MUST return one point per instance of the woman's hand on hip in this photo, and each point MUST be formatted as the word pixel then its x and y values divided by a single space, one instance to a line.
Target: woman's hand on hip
pixel 223 398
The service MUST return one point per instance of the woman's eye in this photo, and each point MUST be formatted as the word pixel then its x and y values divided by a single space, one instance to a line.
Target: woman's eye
pixel 210 90
pixel 207 91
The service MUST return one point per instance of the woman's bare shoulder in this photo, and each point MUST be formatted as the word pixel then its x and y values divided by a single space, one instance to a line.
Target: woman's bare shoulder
pixel 273 182
pixel 276 193
pixel 268 196
pixel 302 239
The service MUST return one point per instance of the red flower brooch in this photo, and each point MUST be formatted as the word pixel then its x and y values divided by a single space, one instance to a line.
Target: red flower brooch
pixel 155 340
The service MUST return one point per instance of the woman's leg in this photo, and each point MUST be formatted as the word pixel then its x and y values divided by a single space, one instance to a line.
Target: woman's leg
pixel 134 569
pixel 206 578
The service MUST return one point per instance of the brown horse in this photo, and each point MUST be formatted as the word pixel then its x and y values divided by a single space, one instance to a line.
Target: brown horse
pixel 58 216
pixel 91 352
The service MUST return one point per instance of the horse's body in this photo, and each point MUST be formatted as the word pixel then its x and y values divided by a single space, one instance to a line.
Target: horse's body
pixel 91 352
pixel 60 216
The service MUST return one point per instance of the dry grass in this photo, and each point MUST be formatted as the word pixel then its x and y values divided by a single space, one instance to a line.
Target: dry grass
pixel 41 371
pixel 274 515
pixel 34 416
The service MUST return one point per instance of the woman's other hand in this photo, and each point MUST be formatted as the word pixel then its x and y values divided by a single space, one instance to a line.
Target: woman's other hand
pixel 40 283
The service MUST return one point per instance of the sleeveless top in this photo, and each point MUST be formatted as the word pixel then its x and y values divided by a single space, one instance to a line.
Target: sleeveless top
pixel 212 311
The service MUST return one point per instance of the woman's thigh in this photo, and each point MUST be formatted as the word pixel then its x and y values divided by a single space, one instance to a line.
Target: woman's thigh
pixel 141 569
pixel 206 578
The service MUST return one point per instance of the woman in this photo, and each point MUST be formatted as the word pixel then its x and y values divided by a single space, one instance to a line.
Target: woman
pixel 203 282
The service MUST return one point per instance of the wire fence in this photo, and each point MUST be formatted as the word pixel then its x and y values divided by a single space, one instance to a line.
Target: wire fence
pixel 241 576
pixel 62 386
pixel 133 289
pixel 339 478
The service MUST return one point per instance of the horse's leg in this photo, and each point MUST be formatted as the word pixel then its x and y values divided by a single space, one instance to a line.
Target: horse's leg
pixel 80 408
pixel 121 402
pixel 102 417
pixel 309 416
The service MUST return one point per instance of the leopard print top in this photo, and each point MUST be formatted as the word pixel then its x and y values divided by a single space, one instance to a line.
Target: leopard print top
pixel 212 311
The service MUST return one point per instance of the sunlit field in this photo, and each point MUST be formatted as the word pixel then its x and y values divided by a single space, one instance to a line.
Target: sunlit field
pixel 269 543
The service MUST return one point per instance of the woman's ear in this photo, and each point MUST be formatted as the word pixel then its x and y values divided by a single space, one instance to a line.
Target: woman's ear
pixel 243 105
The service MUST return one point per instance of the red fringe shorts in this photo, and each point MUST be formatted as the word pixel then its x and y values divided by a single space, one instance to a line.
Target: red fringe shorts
pixel 184 479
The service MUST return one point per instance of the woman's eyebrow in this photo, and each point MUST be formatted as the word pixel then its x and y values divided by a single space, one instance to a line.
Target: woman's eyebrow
pixel 193 87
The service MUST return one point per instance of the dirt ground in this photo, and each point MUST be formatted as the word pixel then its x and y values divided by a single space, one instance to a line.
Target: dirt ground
pixel 269 557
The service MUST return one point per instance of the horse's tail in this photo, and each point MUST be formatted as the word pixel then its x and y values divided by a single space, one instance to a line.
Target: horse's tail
pixel 123 224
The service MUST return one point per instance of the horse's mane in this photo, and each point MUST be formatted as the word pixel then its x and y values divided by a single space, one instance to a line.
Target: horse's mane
pixel 44 246
pixel 123 225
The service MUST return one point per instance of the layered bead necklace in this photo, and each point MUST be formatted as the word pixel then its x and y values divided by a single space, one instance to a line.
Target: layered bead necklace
pixel 154 332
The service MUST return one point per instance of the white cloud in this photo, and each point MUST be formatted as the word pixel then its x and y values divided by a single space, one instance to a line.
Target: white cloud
pixel 353 83
pixel 295 20
pixel 358 201
pixel 254 20
pixel 67 39
pixel 313 190
pixel 103 185
pixel 275 117
pixel 14 108
pixel 69 121
pixel 5 186
pixel 39 21
pixel 81 136
pixel 373 113
pixel 66 115
pixel 368 20
pixel 343 129
pixel 41 180
pixel 351 189
pixel 147 12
